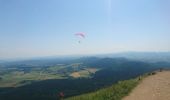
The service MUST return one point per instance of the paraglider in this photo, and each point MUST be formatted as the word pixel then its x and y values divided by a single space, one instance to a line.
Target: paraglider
pixel 80 35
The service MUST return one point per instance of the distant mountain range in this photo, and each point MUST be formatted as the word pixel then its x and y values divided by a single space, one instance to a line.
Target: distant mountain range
pixel 142 56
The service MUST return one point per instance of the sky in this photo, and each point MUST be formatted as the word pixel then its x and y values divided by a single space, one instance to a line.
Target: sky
pixel 34 28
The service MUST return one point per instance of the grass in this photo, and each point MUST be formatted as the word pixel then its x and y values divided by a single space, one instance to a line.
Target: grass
pixel 114 92
pixel 15 78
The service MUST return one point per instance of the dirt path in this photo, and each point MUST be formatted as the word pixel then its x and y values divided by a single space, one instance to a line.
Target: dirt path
pixel 154 87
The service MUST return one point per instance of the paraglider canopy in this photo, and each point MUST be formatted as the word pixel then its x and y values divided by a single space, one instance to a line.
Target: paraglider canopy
pixel 80 35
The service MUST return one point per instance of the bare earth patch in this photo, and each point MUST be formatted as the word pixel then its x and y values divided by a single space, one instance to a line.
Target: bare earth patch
pixel 75 75
pixel 154 87
pixel 84 73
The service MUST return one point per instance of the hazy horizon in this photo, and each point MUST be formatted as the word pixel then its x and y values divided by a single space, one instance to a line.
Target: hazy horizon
pixel 105 55
pixel 39 28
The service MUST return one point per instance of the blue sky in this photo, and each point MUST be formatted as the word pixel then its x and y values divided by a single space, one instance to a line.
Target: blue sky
pixel 33 28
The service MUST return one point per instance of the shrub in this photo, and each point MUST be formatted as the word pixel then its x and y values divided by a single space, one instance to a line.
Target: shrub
pixel 114 92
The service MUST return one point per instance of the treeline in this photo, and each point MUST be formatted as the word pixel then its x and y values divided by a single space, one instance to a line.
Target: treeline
pixel 114 92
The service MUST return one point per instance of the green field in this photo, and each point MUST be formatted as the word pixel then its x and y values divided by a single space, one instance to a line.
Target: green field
pixel 15 77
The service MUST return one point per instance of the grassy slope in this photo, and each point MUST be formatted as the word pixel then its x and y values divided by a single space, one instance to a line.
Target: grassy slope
pixel 114 92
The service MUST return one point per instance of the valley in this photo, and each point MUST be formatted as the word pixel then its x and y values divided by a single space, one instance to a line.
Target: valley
pixel 28 80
